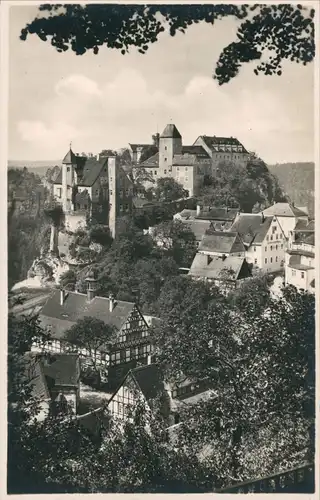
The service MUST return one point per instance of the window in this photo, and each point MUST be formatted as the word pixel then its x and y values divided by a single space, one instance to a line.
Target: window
pixel 270 260
pixel 276 259
pixel 68 169
pixel 165 172
pixel 110 191
pixel 265 261
pixel 165 159
pixel 274 228
pixel 293 272
pixel 186 179
pixel 271 237
pixel 302 275
pixel 186 168
pixel 59 192
pixel 271 248
pixel 281 246
pixel 266 248
pixel 276 247
pixel 255 261
pixel 165 148
pixel 254 249
pixel 267 238
pixel 155 172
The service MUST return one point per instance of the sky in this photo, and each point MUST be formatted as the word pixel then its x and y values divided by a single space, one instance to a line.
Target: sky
pixel 109 100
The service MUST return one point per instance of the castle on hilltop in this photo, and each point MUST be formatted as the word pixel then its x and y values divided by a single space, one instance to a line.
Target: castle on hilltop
pixel 101 187
pixel 189 164
pixel 95 185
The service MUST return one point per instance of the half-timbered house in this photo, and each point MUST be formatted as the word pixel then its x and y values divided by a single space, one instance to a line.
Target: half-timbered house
pixel 132 342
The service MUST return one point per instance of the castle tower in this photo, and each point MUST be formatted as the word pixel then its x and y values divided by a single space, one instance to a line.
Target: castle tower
pixel 113 194
pixel 69 165
pixel 170 143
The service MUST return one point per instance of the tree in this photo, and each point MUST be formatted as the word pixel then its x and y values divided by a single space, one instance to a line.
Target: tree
pixel 257 367
pixel 150 151
pixel 92 334
pixel 268 34
pixel 68 279
pixel 167 189
pixel 241 186
pixel 177 240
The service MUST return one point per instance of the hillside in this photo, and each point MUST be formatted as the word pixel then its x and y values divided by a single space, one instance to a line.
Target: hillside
pixel 36 167
pixel 297 180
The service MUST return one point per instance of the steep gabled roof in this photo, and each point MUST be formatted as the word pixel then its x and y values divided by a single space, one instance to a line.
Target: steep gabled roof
pixel 199 151
pixel 184 159
pixel 304 225
pixel 218 213
pixel 213 141
pixel 284 210
pixel 76 307
pixel 149 379
pixel 35 376
pixel 229 269
pixel 153 161
pixel 171 131
pixel 134 147
pixel 198 227
pixel 91 169
pixel 221 242
pixel 252 228
pixel 70 157
pixel 63 369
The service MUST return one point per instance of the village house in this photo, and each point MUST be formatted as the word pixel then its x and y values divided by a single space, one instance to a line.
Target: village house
pixel 300 257
pixel 55 381
pixel 147 385
pixel 225 271
pixel 97 186
pixel 263 239
pixel 132 344
pixel 287 214
pixel 219 218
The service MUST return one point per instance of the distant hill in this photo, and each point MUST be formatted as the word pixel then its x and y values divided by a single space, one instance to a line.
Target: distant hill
pixel 38 167
pixel 297 180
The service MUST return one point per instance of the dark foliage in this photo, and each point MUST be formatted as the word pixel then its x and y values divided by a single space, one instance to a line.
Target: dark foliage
pixel 269 34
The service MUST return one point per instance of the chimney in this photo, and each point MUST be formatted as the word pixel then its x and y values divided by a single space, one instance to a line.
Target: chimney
pixel 112 302
pixel 224 257
pixel 92 286
pixel 198 210
pixel 62 296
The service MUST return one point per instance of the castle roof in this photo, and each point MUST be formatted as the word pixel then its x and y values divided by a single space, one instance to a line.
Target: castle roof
pixel 213 141
pixel 170 132
pixel 91 169
pixel 70 157
pixel 199 151
pixel 153 161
